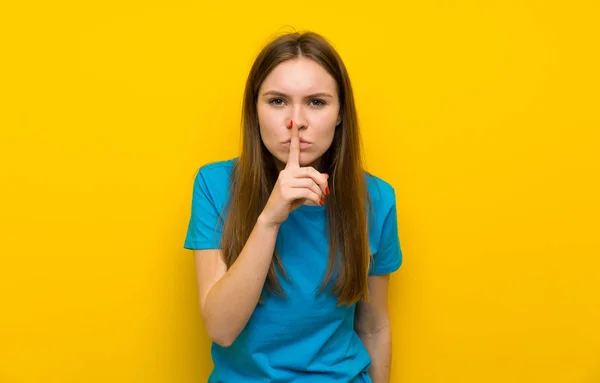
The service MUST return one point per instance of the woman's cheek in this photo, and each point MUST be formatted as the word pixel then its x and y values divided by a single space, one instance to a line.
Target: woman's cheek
pixel 267 125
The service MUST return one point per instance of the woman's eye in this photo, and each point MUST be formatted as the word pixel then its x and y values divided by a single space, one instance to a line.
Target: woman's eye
pixel 280 102
pixel 276 101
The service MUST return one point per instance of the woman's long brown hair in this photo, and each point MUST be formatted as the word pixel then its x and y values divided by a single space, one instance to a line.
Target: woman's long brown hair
pixel 254 174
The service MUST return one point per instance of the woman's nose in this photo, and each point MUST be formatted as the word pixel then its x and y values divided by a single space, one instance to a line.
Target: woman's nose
pixel 298 119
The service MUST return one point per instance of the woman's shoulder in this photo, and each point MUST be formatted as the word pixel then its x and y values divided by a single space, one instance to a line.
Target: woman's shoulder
pixel 216 172
pixel 214 177
pixel 381 192
pixel 216 168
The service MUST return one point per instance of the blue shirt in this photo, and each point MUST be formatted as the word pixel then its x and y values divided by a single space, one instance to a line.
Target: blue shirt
pixel 303 337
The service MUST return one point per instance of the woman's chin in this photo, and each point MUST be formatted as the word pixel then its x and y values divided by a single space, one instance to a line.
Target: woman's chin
pixel 306 159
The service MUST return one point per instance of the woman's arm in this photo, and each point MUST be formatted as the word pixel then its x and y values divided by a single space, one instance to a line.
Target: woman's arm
pixel 228 297
pixel 372 324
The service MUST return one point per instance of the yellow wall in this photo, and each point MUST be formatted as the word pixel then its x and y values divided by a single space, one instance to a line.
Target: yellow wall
pixel 484 116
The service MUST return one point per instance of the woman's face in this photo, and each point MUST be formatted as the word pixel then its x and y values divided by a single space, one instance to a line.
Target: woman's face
pixel 302 91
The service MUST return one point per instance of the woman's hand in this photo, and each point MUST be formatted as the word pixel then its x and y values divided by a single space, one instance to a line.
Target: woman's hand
pixel 295 185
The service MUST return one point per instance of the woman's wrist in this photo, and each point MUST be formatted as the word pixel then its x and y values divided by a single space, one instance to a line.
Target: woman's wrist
pixel 265 222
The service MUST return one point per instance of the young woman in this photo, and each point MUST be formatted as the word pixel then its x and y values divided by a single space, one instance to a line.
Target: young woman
pixel 293 241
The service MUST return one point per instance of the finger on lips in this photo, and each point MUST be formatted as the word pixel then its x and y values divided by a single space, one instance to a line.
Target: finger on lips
pixel 294 161
pixel 294 154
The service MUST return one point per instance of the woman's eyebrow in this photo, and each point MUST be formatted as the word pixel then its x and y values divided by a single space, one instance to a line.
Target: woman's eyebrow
pixel 280 94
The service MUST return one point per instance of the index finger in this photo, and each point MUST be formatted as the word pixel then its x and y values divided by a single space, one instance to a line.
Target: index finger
pixel 294 155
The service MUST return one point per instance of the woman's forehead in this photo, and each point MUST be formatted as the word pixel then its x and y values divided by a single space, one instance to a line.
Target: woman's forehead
pixel 299 76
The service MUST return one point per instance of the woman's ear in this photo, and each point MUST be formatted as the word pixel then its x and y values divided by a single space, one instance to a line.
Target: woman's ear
pixel 339 120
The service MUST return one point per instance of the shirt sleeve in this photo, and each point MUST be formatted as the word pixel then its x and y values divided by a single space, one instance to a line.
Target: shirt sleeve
pixel 388 257
pixel 204 228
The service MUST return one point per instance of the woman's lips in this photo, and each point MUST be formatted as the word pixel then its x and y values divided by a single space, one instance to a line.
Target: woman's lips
pixel 303 144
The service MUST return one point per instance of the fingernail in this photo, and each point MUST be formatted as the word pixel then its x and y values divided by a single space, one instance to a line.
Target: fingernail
pixel 291 124
pixel 326 190
pixel 321 202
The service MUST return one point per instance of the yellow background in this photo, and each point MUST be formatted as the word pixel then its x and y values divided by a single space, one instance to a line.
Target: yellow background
pixel 483 115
